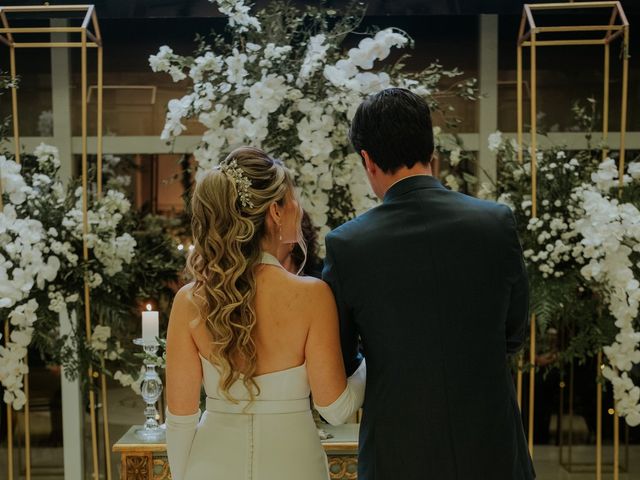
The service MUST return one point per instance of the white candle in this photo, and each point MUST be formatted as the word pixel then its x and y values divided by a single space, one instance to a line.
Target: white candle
pixel 150 326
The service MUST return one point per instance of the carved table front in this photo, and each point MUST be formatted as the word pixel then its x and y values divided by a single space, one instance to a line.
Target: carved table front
pixel 142 460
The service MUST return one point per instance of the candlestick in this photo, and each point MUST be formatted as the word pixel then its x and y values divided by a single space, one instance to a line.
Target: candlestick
pixel 151 389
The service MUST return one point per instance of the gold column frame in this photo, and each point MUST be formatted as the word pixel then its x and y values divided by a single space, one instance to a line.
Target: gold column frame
pixel 89 37
pixel 533 36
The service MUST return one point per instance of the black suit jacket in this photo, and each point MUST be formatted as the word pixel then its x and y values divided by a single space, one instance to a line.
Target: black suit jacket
pixel 434 285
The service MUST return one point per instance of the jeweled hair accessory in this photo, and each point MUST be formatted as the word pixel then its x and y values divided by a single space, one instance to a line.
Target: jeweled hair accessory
pixel 242 183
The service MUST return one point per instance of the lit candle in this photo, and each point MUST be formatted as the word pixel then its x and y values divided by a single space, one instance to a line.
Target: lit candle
pixel 150 325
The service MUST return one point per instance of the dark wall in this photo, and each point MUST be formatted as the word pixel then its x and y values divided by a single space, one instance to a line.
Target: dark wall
pixel 203 8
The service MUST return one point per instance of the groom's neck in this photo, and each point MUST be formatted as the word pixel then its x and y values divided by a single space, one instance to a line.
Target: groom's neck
pixel 388 180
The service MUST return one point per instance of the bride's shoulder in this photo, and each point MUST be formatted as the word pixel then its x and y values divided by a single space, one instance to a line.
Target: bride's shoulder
pixel 312 291
pixel 302 297
pixel 185 294
pixel 184 302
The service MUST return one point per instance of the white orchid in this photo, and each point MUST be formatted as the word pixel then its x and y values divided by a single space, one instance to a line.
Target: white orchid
pixel 31 257
pixel 594 234
pixel 316 53
pixel 294 100
pixel 12 182
pixel 238 13
pixel 605 225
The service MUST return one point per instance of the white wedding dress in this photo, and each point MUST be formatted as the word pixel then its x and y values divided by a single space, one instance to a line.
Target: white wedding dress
pixel 275 437
pixel 272 438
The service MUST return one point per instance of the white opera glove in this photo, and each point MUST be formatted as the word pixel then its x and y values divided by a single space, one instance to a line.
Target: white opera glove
pixel 181 429
pixel 350 401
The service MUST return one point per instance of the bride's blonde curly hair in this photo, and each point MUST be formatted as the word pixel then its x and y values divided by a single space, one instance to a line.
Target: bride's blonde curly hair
pixel 228 227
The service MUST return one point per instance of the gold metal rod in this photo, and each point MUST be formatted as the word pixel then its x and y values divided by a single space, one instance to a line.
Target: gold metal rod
pixel 532 23
pixel 623 107
pixel 616 446
pixel 534 212
pixel 578 28
pixel 520 107
pixel 599 417
pixel 612 21
pixel 611 38
pixel 99 123
pixel 623 16
pixel 571 397
pixel 55 45
pixel 534 130
pixel 623 128
pixel 85 252
pixel 519 381
pixel 561 418
pixel 605 102
pixel 27 430
pixel 46 8
pixel 519 84
pixel 9 418
pixel 4 40
pixel 5 24
pixel 87 17
pixel 558 43
pixel 570 6
pixel 14 102
pixel 524 37
pixel 41 30
pixel 138 170
pixel 93 38
pixel 532 382
pixel 96 26
pixel 92 402
pixel 8 409
pixel 103 377
pixel 105 422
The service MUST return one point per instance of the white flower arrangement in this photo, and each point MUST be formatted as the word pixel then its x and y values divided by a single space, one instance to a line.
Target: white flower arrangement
pixel 32 257
pixel 610 234
pixel 295 99
pixel 583 239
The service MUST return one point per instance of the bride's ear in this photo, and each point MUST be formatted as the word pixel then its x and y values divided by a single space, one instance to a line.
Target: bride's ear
pixel 275 215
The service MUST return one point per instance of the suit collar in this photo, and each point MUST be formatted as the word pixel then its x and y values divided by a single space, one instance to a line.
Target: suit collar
pixel 409 184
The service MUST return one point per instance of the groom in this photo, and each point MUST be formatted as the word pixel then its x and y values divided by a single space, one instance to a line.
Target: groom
pixel 433 285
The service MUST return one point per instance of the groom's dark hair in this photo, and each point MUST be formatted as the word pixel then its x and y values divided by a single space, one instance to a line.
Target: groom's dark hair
pixel 394 127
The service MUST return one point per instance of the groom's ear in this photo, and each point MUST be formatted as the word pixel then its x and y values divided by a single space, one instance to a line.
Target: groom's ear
pixel 369 164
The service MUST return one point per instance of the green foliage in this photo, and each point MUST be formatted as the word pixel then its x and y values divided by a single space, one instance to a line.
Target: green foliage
pixel 561 298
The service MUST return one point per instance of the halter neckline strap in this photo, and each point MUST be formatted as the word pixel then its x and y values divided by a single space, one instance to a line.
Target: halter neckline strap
pixel 269 259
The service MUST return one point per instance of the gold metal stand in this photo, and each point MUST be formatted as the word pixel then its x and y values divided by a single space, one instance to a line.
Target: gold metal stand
pixel 9 409
pixel 89 37
pixel 599 417
pixel 616 446
pixel 533 36
pixel 566 448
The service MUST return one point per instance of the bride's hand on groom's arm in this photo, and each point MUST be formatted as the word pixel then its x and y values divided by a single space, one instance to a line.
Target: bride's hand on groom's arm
pixel 335 398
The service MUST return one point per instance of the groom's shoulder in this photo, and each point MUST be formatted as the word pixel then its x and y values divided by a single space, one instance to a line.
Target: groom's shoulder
pixel 353 228
pixel 489 208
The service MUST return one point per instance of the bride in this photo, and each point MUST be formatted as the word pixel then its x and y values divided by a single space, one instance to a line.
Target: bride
pixel 258 338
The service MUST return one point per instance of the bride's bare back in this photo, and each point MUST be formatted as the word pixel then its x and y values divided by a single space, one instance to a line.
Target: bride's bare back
pixel 296 323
